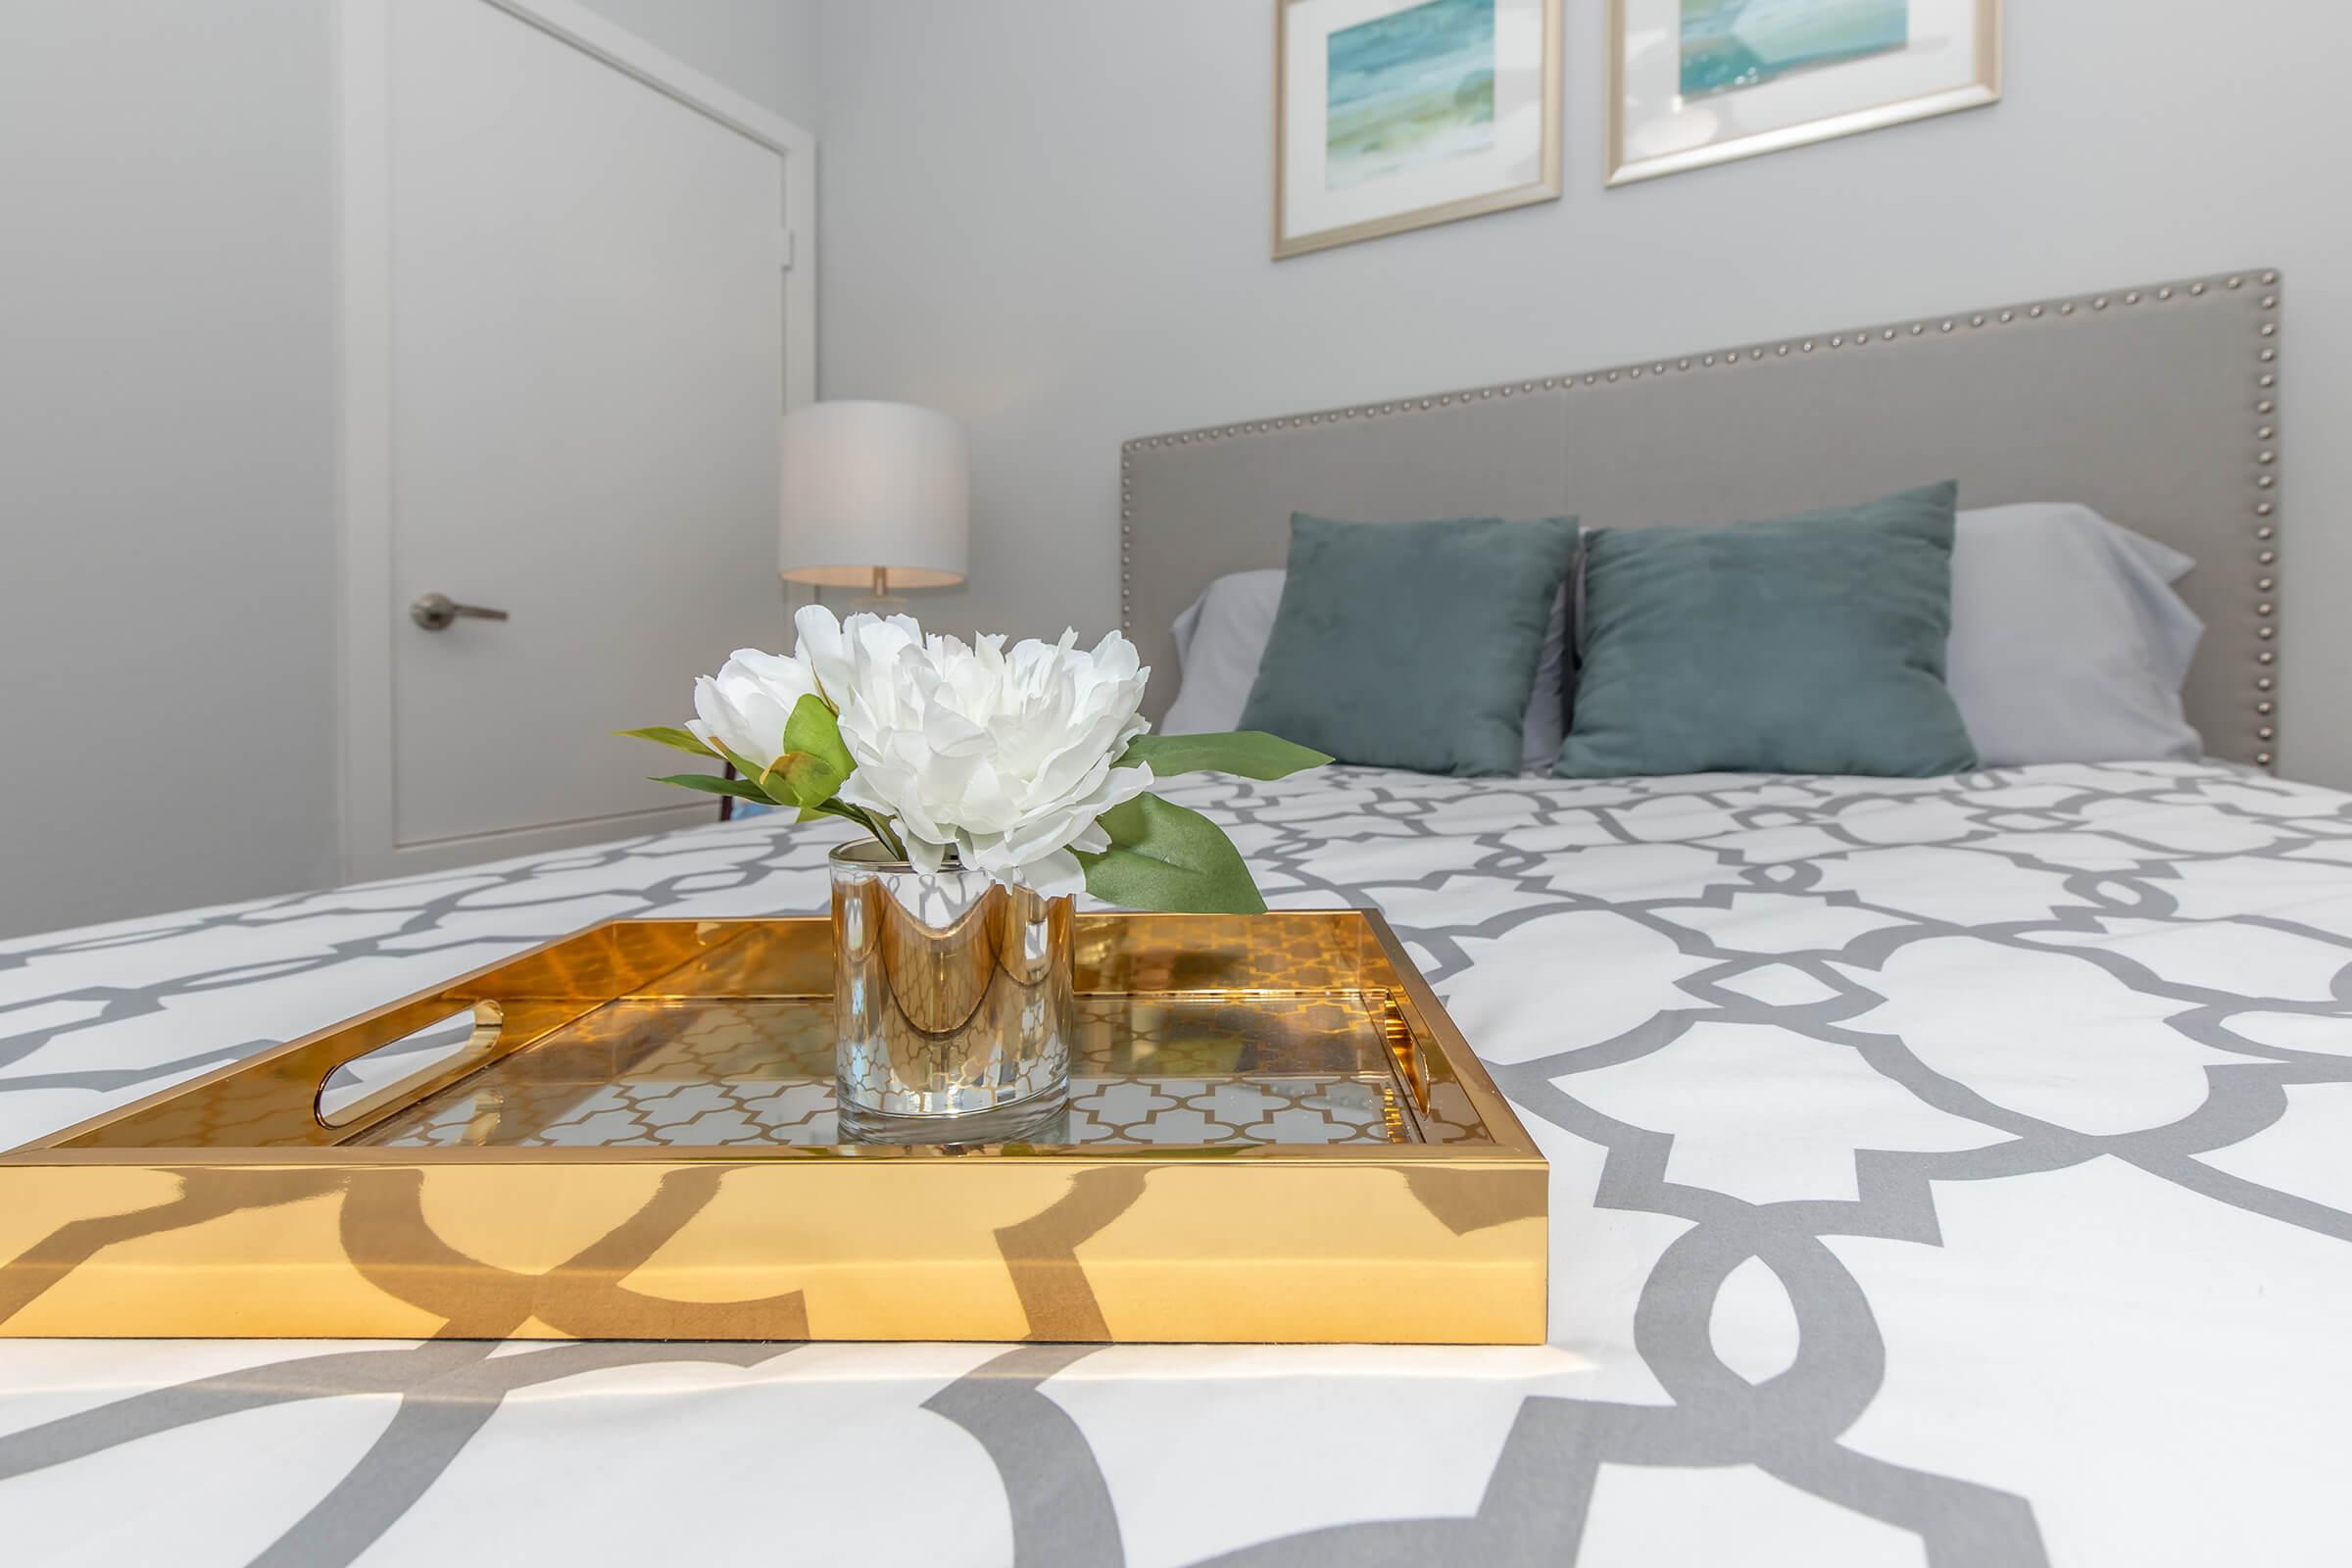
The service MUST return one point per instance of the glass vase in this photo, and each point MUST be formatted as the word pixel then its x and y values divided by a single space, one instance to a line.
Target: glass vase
pixel 951 1004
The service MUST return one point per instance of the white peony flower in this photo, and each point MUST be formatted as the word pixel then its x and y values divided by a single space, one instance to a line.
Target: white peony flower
pixel 745 705
pixel 1006 758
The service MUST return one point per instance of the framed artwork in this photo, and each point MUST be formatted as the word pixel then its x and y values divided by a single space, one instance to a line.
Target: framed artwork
pixel 1391 115
pixel 1698 82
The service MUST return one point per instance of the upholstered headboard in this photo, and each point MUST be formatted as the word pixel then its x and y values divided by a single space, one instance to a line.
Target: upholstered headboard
pixel 2157 405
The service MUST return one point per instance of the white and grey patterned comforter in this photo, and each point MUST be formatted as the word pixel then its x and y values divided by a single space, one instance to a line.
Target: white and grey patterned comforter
pixel 1953 1171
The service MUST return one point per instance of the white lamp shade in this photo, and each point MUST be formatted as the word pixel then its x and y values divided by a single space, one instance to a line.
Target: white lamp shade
pixel 870 485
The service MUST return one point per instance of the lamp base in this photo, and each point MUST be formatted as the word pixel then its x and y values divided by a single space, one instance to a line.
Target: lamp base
pixel 881 601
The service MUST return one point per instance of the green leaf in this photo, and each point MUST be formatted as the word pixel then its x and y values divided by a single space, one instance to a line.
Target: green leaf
pixel 807 779
pixel 847 814
pixel 684 741
pixel 816 762
pixel 670 735
pixel 1247 754
pixel 1167 859
pixel 711 784
pixel 813 729
pixel 743 765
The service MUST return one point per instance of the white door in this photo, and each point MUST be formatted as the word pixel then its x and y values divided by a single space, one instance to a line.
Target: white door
pixel 568 282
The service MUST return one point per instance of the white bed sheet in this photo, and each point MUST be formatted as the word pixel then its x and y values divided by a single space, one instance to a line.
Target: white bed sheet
pixel 1943 1171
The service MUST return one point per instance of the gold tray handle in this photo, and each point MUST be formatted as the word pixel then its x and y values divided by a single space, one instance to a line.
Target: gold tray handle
pixel 440 1067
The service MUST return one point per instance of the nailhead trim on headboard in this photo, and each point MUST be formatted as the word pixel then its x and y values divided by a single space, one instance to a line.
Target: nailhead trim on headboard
pixel 2217 286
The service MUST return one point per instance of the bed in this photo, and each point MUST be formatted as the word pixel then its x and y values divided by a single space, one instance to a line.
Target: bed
pixel 1944 1170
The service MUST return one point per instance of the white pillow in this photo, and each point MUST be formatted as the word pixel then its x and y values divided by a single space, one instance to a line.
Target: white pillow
pixel 2068 644
pixel 2068 641
pixel 1221 638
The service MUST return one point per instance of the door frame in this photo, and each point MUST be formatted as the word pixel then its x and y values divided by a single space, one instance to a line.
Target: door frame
pixel 369 620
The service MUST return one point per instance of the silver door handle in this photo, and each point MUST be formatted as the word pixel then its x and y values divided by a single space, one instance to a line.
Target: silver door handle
pixel 436 612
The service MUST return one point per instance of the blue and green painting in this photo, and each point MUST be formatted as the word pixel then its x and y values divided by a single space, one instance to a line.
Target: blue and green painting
pixel 1410 90
pixel 1739 43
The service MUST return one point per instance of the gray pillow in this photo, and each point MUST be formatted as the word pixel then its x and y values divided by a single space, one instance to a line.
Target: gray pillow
pixel 2068 644
pixel 1411 645
pixel 2068 641
pixel 1221 640
pixel 1803 645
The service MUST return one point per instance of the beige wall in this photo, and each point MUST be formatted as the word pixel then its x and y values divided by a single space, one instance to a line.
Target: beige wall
pixel 1050 217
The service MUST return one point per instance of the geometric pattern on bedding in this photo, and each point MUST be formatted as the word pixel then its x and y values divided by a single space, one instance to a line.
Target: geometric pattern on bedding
pixel 1946 1170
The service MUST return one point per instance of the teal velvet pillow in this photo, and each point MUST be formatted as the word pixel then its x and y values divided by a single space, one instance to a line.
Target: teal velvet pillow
pixel 1803 645
pixel 1411 645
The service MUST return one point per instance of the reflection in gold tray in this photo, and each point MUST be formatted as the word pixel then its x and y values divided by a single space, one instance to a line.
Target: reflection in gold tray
pixel 1166 1071
pixel 1274 1134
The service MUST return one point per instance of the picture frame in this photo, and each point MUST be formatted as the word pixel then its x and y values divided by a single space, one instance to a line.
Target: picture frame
pixel 1443 110
pixel 1688 89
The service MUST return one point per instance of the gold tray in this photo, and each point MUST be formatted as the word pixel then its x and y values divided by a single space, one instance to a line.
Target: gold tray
pixel 1275 1134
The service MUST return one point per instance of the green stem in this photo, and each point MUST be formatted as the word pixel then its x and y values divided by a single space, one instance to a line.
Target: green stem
pixel 877 825
pixel 890 840
pixel 873 823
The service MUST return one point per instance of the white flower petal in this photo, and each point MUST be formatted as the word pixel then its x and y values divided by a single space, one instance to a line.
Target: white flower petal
pixel 1054 876
pixel 823 648
pixel 746 704
pixel 721 721
pixel 1002 753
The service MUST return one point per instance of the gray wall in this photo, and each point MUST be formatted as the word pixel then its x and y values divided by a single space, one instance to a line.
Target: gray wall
pixel 1050 217
pixel 167 404
pixel 1056 227
pixel 764 49
pixel 166 455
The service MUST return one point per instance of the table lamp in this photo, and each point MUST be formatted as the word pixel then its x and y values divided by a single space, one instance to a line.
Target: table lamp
pixel 876 496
